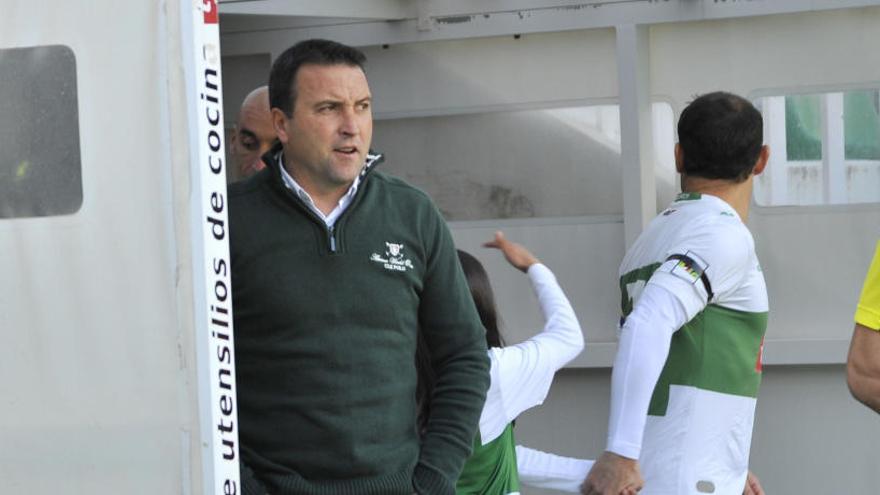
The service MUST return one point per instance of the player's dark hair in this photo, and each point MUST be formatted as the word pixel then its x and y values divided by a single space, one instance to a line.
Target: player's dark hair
pixel 484 297
pixel 720 135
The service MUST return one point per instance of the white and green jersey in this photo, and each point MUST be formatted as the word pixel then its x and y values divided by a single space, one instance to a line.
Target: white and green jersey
pixel 699 425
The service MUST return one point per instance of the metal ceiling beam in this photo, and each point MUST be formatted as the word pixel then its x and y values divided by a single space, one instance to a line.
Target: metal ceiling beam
pixel 425 24
pixel 474 7
pixel 358 9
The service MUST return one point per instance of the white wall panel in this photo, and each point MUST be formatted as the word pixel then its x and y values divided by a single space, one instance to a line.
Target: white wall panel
pixel 814 258
pixel 449 76
pixel 94 359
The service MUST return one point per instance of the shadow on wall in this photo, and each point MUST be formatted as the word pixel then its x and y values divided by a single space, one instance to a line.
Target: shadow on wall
pixel 509 164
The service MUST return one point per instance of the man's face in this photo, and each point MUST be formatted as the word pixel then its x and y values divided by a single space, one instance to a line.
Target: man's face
pixel 327 138
pixel 253 136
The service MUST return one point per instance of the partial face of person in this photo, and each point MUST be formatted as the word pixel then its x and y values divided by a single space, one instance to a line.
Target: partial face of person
pixel 254 133
pixel 327 138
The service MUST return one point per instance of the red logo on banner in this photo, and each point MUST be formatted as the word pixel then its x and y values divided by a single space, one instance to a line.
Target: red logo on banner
pixel 209 8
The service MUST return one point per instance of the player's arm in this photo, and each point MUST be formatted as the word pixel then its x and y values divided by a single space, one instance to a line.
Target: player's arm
pixel 863 366
pixel 863 363
pixel 709 263
pixel 522 373
pixel 644 345
pixel 753 485
pixel 544 470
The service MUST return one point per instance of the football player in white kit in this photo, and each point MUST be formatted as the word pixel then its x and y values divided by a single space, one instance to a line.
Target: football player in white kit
pixel 693 316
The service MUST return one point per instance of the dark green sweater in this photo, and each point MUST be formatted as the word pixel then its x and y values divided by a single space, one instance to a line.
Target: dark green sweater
pixel 325 336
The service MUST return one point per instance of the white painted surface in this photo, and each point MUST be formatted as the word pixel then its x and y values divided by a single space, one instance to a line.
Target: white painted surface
pixel 579 253
pixel 97 354
pixel 810 437
pixel 449 76
pixel 460 19
pixel 97 319
pixel 637 142
pixel 809 299
pixel 684 61
pixel 363 9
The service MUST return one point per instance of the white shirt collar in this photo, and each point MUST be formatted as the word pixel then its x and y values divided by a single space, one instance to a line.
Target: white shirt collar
pixel 297 189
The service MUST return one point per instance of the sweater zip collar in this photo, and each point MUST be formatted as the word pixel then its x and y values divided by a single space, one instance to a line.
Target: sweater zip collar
pixel 273 159
pixel 373 159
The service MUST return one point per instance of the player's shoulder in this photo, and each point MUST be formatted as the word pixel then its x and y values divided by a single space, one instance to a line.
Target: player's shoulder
pixel 711 219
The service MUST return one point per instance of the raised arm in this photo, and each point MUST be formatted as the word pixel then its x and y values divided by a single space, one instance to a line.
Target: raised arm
pixel 515 254
pixel 522 373
pixel 561 338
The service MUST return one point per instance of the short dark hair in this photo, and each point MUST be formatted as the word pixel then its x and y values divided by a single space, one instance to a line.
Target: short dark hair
pixel 282 77
pixel 721 135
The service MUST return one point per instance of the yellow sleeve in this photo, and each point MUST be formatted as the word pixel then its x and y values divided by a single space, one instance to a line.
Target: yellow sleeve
pixel 868 310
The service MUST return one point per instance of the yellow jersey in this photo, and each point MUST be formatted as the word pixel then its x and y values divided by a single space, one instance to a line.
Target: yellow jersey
pixel 868 310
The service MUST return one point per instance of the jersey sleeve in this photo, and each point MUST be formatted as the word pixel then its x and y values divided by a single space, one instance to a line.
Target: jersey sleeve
pixel 544 470
pixel 642 352
pixel 706 265
pixel 868 309
pixel 521 374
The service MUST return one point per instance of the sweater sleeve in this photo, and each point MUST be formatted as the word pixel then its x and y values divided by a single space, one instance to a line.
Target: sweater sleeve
pixel 250 485
pixel 522 373
pixel 457 344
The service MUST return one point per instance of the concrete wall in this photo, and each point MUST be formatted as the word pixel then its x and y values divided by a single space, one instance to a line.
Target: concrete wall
pixel 810 437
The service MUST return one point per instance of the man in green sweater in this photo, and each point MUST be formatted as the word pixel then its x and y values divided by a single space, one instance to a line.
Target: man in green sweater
pixel 336 268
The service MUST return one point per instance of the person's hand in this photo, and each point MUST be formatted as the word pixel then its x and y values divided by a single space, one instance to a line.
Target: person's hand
pixel 753 485
pixel 516 254
pixel 613 475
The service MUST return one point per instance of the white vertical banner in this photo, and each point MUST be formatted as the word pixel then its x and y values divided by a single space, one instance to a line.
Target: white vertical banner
pixel 210 244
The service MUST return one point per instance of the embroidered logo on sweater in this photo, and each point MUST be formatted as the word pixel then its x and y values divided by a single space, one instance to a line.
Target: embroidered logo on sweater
pixel 394 258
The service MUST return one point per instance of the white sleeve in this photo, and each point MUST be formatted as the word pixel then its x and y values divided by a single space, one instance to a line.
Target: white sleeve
pixel 714 258
pixel 641 354
pixel 543 470
pixel 521 374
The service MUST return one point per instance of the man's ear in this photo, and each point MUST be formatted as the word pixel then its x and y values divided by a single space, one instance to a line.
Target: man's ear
pixel 279 123
pixel 233 138
pixel 679 159
pixel 763 158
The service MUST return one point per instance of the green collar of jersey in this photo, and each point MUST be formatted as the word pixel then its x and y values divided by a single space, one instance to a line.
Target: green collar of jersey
pixel 688 196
